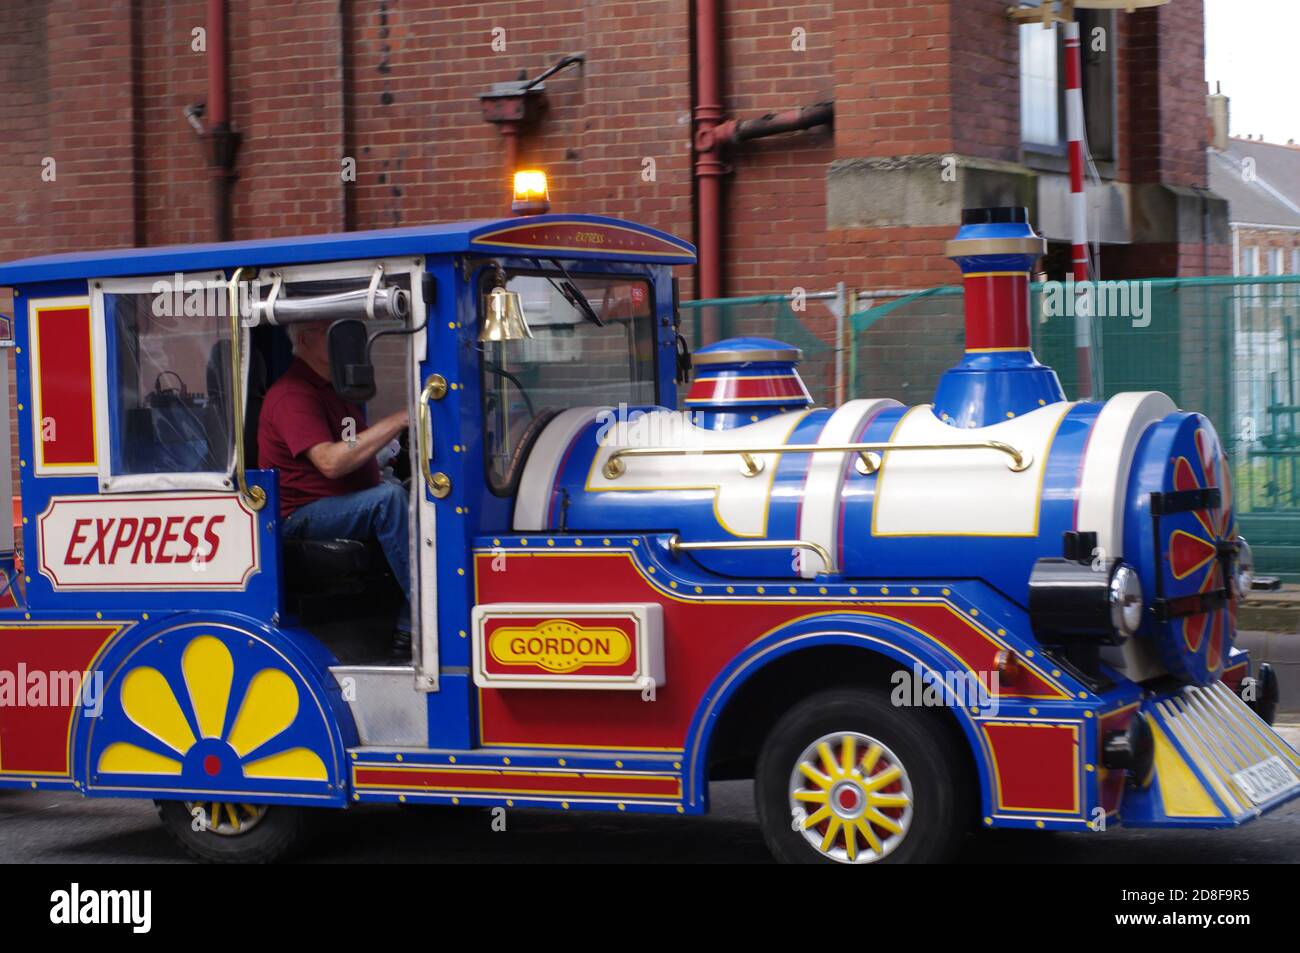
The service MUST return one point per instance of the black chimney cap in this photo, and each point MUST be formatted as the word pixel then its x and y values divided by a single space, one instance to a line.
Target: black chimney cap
pixel 997 215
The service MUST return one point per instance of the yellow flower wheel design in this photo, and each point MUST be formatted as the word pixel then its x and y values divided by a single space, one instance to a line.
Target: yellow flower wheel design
pixel 851 797
pixel 170 715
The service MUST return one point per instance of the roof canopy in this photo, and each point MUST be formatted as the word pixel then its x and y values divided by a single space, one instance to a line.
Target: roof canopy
pixel 552 236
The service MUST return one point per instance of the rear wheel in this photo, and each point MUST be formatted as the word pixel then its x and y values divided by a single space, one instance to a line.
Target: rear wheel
pixel 845 777
pixel 226 833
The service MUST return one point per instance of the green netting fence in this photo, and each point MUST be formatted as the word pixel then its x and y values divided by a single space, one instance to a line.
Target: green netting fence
pixel 1227 347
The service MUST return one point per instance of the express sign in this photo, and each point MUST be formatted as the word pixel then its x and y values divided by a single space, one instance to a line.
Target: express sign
pixel 148 541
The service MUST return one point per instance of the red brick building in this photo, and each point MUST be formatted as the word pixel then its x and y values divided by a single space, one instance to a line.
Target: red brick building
pixel 937 105
pixel 100 87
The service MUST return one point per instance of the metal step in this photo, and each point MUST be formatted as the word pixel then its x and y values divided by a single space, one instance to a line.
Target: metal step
pixel 387 708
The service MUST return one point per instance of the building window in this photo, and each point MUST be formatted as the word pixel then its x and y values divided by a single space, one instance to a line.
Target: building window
pixel 1250 260
pixel 1040 92
pixel 1295 261
pixel 1250 267
pixel 1043 126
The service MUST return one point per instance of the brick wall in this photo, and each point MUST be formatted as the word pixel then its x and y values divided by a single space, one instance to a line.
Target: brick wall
pixel 100 87
pixel 1160 87
pixel 1267 240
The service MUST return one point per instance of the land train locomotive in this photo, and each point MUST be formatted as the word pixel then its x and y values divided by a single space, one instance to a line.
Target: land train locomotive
pixel 1001 609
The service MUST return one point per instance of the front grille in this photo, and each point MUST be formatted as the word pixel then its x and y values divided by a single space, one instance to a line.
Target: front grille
pixel 1243 760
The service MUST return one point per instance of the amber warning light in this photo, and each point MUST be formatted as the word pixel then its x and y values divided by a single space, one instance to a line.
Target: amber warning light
pixel 531 195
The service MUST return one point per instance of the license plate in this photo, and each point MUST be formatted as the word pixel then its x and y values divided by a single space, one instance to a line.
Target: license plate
pixel 1266 780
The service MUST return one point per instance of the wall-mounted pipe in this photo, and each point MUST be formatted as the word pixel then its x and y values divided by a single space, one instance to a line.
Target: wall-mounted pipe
pixel 713 136
pixel 774 124
pixel 710 166
pixel 222 140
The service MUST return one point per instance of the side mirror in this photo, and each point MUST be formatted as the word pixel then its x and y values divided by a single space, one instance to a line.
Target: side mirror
pixel 351 372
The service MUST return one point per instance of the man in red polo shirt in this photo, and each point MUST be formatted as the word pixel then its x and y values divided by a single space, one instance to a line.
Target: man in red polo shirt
pixel 329 477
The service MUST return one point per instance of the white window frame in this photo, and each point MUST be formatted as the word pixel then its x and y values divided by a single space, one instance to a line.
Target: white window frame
pixel 110 482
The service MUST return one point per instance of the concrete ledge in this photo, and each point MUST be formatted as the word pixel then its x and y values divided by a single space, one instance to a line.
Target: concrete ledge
pixel 914 191
pixel 1109 214
pixel 1277 611
pixel 1173 214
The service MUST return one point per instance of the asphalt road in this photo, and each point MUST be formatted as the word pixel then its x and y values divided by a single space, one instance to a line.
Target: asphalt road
pixel 64 828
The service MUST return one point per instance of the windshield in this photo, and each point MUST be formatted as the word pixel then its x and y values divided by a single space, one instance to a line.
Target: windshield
pixel 569 362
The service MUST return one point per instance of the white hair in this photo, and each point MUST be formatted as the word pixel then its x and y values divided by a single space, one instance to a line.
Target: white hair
pixel 295 330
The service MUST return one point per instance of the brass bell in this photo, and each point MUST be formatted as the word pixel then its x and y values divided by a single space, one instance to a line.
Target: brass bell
pixel 503 319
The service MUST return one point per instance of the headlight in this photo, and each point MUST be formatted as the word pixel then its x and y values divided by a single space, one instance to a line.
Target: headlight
pixel 1245 568
pixel 1125 599
pixel 1075 602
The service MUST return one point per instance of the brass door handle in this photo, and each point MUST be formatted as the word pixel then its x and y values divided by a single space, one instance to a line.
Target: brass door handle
pixel 439 484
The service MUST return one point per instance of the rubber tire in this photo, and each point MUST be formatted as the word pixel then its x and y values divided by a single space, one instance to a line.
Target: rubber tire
pixel 278 835
pixel 934 763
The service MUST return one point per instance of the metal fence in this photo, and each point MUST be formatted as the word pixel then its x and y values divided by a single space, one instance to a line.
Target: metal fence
pixel 1227 347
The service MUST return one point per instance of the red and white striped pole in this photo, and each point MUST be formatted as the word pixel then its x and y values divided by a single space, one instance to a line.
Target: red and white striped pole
pixel 1078 204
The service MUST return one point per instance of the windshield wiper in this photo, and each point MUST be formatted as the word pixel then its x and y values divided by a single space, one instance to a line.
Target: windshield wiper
pixel 577 300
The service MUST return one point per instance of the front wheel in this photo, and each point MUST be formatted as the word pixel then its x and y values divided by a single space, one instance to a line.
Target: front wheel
pixel 235 833
pixel 845 777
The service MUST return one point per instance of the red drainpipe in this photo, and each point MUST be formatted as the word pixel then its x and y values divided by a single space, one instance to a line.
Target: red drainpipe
pixel 223 140
pixel 710 166
pixel 713 136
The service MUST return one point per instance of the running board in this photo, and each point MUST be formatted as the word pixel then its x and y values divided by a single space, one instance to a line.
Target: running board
pixel 385 706
pixel 580 779
pixel 1217 763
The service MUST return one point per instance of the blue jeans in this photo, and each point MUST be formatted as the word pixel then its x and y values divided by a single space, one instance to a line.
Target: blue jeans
pixel 379 513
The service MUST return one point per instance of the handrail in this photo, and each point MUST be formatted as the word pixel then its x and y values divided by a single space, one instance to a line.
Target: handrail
pixel 254 496
pixel 869 455
pixel 675 545
pixel 435 388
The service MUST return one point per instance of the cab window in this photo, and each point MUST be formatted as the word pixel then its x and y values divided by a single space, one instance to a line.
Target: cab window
pixel 168 377
pixel 570 361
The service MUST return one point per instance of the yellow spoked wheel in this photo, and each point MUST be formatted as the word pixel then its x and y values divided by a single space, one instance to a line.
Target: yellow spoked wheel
pixel 850 797
pixel 227 820
pixel 226 833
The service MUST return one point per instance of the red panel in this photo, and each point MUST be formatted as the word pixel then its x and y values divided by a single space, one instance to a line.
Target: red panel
pixel 66 387
pixel 35 728
pixel 700 637
pixel 582 236
pixel 1232 677
pixel 1037 766
pixel 722 389
pixel 997 311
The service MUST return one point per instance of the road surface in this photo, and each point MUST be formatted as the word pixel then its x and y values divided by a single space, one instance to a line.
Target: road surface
pixel 40 827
